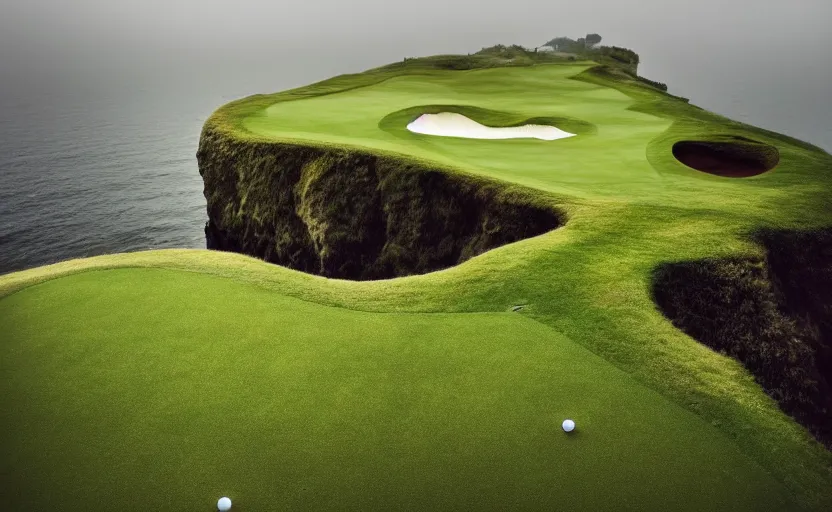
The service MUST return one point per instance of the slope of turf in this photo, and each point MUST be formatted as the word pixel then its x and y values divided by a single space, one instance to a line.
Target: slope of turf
pixel 164 404
pixel 784 332
pixel 713 439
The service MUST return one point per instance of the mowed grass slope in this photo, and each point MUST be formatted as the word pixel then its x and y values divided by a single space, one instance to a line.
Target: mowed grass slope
pixel 199 386
pixel 422 392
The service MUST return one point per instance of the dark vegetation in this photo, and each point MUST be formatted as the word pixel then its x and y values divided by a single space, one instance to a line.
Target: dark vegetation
pixel 652 83
pixel 491 57
pixel 615 76
pixel 587 48
pixel 353 215
pixel 735 158
pixel 565 44
pixel 621 55
pixel 623 60
pixel 592 39
pixel 774 315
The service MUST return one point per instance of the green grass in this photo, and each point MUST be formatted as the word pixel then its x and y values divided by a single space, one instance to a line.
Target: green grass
pixel 284 404
pixel 422 392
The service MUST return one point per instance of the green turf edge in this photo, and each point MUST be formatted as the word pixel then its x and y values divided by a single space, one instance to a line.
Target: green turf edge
pixel 644 486
pixel 791 455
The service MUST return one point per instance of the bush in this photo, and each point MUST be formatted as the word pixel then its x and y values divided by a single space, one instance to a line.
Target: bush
pixel 652 83
pixel 623 55
pixel 564 44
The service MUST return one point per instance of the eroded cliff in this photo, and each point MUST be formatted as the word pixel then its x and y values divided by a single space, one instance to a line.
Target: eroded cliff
pixel 773 314
pixel 354 215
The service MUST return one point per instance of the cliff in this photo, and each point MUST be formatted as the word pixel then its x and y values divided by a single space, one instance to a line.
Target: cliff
pixel 327 207
pixel 355 215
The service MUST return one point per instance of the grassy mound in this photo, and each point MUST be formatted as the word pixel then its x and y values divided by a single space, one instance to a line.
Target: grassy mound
pixel 735 159
pixel 186 375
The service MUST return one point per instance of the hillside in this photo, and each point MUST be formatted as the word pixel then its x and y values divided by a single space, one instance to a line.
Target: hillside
pixel 441 304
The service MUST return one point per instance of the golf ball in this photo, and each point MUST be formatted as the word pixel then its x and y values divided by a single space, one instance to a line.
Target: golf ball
pixel 568 425
pixel 224 504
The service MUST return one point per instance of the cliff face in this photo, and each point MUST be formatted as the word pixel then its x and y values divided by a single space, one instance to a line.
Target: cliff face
pixel 353 215
pixel 773 314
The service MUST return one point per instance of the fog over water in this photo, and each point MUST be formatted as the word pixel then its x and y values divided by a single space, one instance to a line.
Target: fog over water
pixel 101 103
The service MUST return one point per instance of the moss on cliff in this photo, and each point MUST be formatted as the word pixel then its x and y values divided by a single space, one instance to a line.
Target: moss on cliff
pixel 355 215
pixel 774 315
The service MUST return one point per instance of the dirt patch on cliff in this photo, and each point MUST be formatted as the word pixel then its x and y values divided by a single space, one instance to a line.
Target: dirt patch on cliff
pixel 352 215
pixel 774 315
pixel 735 159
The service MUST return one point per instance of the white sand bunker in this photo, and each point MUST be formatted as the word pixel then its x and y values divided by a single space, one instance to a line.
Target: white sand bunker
pixel 449 124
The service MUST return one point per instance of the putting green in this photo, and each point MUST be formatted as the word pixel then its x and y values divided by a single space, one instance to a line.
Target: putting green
pixel 166 379
pixel 576 165
pixel 609 164
pixel 198 387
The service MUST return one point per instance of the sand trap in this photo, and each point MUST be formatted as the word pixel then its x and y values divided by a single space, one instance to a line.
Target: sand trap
pixel 739 159
pixel 449 124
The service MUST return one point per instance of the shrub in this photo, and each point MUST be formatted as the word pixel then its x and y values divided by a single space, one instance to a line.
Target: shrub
pixel 623 55
pixel 652 83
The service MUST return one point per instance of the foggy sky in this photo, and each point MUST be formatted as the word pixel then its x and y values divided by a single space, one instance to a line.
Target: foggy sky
pixel 391 28
pixel 691 45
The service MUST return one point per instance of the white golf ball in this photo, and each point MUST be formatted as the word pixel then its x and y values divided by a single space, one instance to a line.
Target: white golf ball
pixel 224 504
pixel 568 425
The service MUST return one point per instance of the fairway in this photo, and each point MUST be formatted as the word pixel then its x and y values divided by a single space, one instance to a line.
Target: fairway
pixel 206 387
pixel 470 295
pixel 577 165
